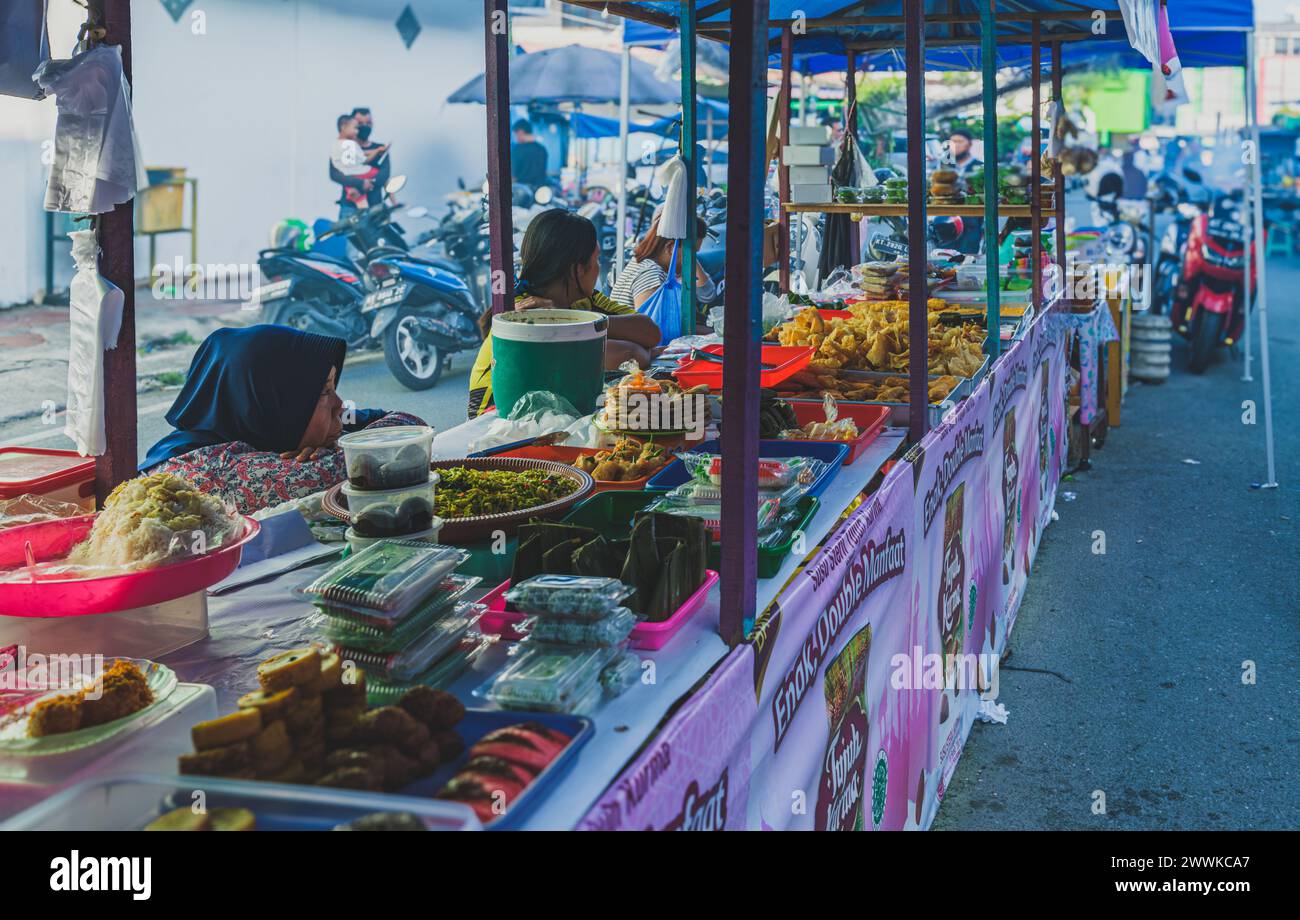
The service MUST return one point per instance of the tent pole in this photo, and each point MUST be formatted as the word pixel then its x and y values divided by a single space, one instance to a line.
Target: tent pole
pixel 1059 197
pixel 496 90
pixel 851 88
pixel 688 150
pixel 1248 205
pixel 782 170
pixel 1252 116
pixel 989 83
pixel 624 80
pixel 1036 168
pixel 742 320
pixel 120 460
pixel 918 311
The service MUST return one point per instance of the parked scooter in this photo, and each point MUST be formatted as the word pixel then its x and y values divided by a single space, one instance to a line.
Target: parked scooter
pixel 417 311
pixel 1211 301
pixel 1187 200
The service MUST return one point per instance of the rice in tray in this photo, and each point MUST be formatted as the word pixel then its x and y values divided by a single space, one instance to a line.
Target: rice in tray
pixel 152 520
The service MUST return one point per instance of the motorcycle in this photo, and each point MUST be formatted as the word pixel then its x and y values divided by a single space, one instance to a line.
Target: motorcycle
pixel 414 309
pixel 1210 301
pixel 1188 200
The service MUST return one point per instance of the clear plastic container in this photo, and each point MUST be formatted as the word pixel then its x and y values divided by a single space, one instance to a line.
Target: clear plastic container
pixel 392 512
pixel 386 580
pixel 380 691
pixel 711 512
pixel 140 632
pixel 387 458
pixel 582 597
pixel 608 630
pixel 772 473
pixel 383 636
pixel 440 637
pixel 620 674
pixel 552 678
pixel 697 491
pixel 359 543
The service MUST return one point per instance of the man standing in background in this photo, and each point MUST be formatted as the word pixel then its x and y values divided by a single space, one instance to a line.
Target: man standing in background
pixel 527 156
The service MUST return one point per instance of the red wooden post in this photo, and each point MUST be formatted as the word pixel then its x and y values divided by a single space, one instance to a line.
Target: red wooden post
pixel 1057 71
pixel 119 461
pixel 1036 166
pixel 851 88
pixel 918 328
pixel 742 319
pixel 496 36
pixel 782 170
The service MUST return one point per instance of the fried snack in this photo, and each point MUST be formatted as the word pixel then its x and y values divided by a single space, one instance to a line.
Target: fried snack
pixel 233 819
pixel 272 706
pixel 271 749
pixel 231 760
pixel 289 669
pixel 331 672
pixel 238 726
pixel 119 691
pixel 450 744
pixel 385 725
pixel 55 716
pixel 436 708
pixel 351 778
pixel 184 818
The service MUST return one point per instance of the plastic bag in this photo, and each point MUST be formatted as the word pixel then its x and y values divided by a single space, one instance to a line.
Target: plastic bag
pixel 665 305
pixel 537 413
pixel 772 473
pixel 35 509
pixel 833 429
pixel 95 318
pixel 776 310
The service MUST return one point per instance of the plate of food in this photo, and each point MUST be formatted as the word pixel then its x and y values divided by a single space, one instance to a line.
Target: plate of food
pixel 478 496
pixel 157 539
pixel 628 464
pixel 89 708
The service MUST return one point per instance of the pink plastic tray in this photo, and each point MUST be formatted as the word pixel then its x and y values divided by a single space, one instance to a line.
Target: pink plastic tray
pixel 646 636
pixel 51 540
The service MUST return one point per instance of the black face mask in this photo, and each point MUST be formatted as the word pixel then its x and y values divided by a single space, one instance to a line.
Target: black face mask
pixel 363 132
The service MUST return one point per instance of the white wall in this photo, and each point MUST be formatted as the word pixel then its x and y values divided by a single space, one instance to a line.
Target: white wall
pixel 248 105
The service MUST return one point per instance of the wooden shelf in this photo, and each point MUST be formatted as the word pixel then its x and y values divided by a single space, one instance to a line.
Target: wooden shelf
pixel 900 210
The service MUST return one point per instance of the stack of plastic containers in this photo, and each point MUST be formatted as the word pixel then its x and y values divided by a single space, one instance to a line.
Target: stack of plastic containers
pixel 390 488
pixel 575 652
pixel 396 610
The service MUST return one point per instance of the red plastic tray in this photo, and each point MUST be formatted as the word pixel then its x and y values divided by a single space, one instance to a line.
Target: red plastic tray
pixel 568 455
pixel 647 636
pixel 68 468
pixel 869 419
pixel 786 361
pixel 51 540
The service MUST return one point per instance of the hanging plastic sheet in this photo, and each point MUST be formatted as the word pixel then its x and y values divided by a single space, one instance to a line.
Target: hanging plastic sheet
pixel 97 162
pixel 95 318
pixel 24 46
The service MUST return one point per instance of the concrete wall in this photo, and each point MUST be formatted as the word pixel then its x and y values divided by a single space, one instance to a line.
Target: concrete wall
pixel 244 97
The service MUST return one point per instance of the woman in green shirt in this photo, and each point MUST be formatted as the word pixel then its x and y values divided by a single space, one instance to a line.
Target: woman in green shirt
pixel 560 268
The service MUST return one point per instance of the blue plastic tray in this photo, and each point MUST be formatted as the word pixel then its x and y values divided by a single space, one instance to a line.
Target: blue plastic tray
pixel 477 723
pixel 675 474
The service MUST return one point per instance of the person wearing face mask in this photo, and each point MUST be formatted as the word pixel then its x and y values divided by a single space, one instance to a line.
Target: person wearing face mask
pixel 372 148
pixel 373 155
pixel 258 417
pixel 559 269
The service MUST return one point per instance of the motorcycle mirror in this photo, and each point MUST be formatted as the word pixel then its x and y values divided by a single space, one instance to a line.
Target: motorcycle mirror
pixel 1192 175
pixel 395 185
pixel 417 211
pixel 544 194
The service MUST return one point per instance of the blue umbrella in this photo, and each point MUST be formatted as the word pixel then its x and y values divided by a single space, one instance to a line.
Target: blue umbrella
pixel 573 74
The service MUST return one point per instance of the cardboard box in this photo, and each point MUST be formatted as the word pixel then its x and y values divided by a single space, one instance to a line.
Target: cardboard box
pixel 809 175
pixel 814 193
pixel 811 135
pixel 796 155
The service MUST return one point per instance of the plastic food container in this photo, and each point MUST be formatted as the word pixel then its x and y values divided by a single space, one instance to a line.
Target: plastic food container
pixel 785 361
pixel 59 475
pixel 580 597
pixel 380 691
pixel 392 512
pixel 379 459
pixel 869 419
pixel 380 635
pixel 608 630
pixel 150 631
pixel 551 678
pixel 386 580
pixel 359 543
pixel 131 801
pixel 830 454
pixel 441 636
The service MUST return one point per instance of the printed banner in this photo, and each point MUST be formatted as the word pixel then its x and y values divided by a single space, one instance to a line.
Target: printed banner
pixel 849 705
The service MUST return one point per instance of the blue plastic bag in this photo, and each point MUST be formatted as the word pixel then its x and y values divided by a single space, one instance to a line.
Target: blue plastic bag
pixel 664 306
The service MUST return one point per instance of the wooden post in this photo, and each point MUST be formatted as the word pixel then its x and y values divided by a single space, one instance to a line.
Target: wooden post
pixel 918 328
pixel 743 327
pixel 501 235
pixel 988 58
pixel 782 170
pixel 1036 166
pixel 688 151
pixel 1058 96
pixel 851 90
pixel 119 462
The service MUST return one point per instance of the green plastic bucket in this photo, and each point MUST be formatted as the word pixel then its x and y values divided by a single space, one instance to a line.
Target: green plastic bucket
pixel 562 351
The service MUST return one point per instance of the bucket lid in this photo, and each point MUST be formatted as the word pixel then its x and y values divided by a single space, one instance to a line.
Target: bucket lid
pixel 549 325
pixel 388 437
pixel 38 470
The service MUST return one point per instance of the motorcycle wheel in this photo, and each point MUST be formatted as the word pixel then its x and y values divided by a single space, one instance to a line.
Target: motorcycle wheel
pixel 1205 338
pixel 296 315
pixel 415 365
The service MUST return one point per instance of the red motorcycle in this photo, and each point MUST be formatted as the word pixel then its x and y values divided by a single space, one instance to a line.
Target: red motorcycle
pixel 1210 302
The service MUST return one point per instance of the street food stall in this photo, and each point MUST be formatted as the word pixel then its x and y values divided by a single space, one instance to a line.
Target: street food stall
pixel 500 631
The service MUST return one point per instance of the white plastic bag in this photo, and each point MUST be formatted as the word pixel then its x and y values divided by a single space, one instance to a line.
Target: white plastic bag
pixel 95 318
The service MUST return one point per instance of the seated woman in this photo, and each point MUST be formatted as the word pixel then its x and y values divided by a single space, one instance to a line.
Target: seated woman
pixel 258 417
pixel 648 269
pixel 560 267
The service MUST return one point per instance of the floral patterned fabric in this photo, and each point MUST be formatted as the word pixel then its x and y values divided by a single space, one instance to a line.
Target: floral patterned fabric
pixel 1094 329
pixel 253 479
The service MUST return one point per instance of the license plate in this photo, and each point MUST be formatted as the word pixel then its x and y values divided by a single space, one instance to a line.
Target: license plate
pixel 269 292
pixel 1227 228
pixel 385 297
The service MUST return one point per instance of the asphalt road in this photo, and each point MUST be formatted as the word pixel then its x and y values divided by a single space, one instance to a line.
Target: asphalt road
pixel 1125 677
